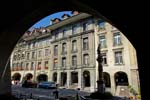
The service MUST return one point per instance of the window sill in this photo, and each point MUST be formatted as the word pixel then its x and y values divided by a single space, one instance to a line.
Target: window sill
pixel 119 64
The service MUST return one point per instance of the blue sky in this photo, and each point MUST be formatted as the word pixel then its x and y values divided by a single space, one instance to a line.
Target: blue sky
pixel 46 21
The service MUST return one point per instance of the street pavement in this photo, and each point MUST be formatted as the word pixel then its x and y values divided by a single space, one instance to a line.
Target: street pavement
pixel 43 94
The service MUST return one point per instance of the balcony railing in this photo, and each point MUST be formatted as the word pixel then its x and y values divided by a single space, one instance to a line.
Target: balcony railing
pixel 46 67
pixel 63 67
pixel 74 51
pixel 64 52
pixel 38 68
pixel 73 67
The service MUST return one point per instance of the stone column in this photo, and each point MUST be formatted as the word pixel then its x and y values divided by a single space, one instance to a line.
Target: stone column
pixel 80 80
pixel 50 76
pixel 68 79
pixel 112 79
pixel 58 77
pixel 92 81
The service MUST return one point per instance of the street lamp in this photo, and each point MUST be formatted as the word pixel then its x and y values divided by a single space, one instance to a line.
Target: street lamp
pixel 100 81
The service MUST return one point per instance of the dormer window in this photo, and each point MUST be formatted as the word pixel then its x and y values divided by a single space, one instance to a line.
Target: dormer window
pixel 65 16
pixel 56 20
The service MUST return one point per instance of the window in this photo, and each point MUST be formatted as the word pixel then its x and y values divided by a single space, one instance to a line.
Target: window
pixel 27 66
pixel 47 42
pixel 74 60
pixel 118 57
pixel 46 64
pixel 33 54
pixel 21 65
pixel 40 53
pixel 33 45
pixel 18 66
pixel 64 33
pixel 64 62
pixel 19 56
pixel 104 57
pixel 64 48
pixel 101 24
pixel 32 66
pixel 46 52
pixel 39 66
pixel 13 67
pixel 74 45
pixel 74 29
pixel 23 54
pixel 56 34
pixel 40 44
pixel 103 41
pixel 117 39
pixel 55 63
pixel 29 46
pixel 85 26
pixel 85 59
pixel 28 56
pixel 85 43
pixel 15 57
pixel 55 50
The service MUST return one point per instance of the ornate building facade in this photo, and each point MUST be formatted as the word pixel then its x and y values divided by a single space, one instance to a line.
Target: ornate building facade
pixel 65 52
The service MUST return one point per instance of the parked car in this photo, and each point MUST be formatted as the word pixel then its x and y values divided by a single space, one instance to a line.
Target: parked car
pixel 47 85
pixel 29 84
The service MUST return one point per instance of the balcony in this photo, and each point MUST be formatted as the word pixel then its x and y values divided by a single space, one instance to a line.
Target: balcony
pixel 46 67
pixel 74 51
pixel 63 68
pixel 63 52
pixel 73 67
pixel 55 67
pixel 38 68
pixel 85 65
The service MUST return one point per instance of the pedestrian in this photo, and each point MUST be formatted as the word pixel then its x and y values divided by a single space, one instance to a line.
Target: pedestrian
pixel 56 93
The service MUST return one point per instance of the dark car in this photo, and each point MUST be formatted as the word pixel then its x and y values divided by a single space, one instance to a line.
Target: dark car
pixel 47 85
pixel 29 84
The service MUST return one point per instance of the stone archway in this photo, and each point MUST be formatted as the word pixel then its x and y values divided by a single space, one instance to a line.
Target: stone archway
pixel 29 76
pixel 16 77
pixel 74 78
pixel 107 79
pixel 55 77
pixel 131 21
pixel 42 77
pixel 121 78
pixel 63 81
pixel 86 79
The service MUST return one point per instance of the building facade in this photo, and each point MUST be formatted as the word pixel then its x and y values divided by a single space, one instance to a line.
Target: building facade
pixel 65 52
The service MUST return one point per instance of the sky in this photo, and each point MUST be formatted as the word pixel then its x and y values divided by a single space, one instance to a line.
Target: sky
pixel 46 21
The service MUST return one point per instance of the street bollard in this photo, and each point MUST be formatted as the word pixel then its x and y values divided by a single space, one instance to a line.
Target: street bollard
pixel 20 97
pixel 31 96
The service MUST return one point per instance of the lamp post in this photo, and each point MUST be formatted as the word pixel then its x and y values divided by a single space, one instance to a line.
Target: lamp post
pixel 100 81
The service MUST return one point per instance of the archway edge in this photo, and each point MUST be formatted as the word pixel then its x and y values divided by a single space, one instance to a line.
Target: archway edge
pixel 15 29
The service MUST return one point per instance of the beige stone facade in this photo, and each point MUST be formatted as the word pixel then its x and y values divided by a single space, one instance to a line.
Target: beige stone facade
pixel 66 53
